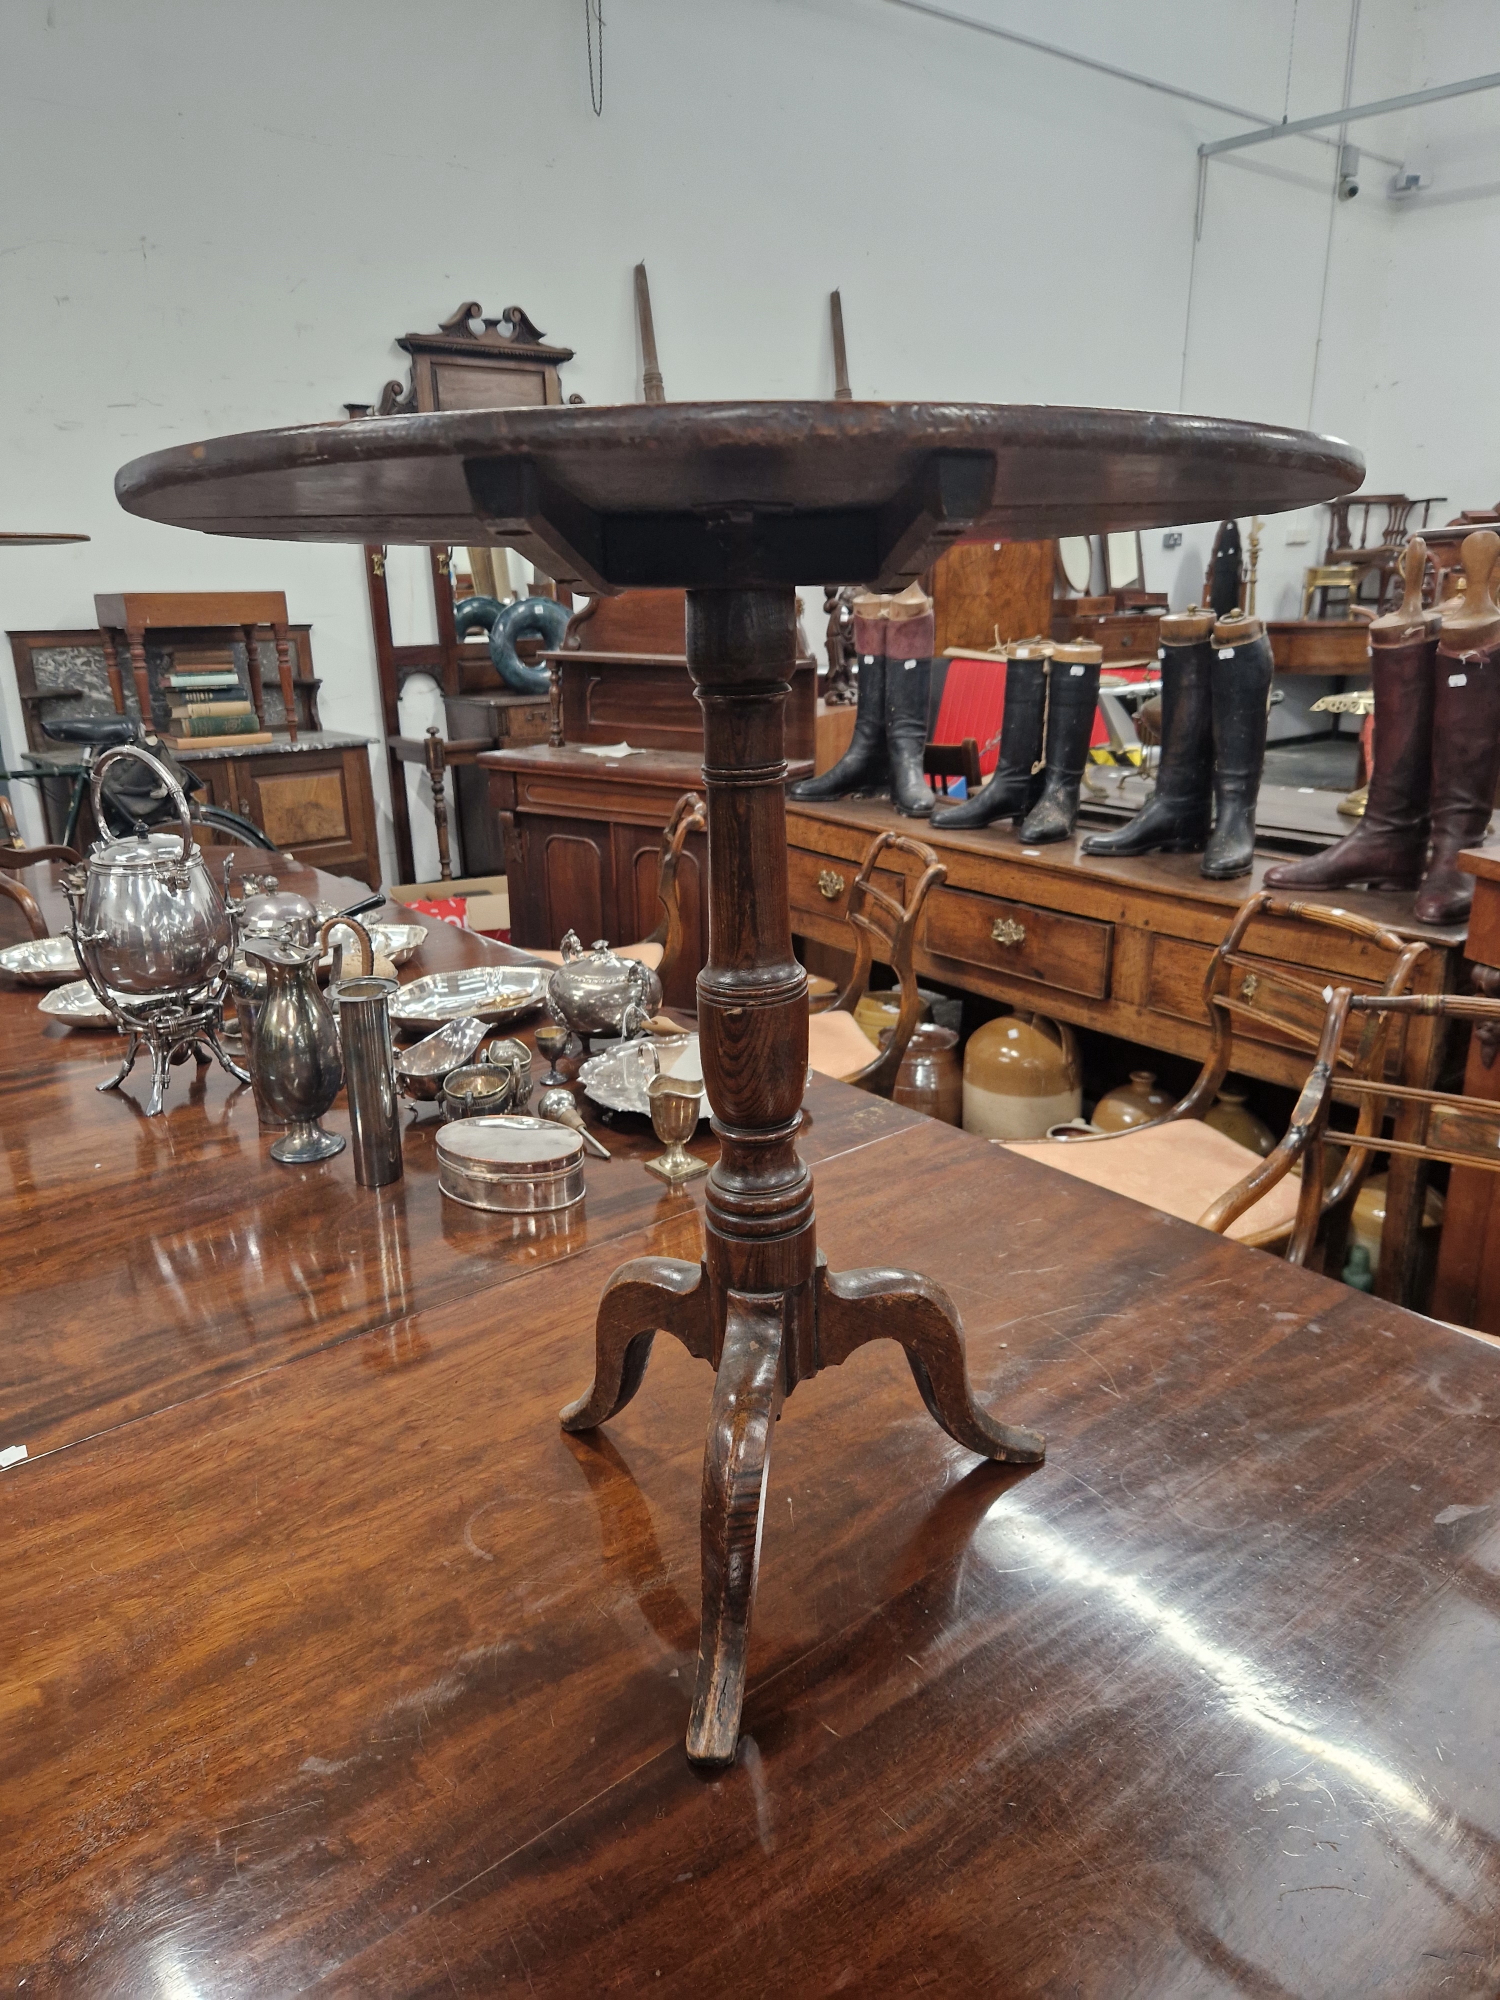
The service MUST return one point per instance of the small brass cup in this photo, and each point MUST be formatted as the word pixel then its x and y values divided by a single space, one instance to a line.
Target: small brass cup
pixel 675 1103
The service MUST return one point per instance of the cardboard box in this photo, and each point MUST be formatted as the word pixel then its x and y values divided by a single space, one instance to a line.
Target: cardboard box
pixel 487 897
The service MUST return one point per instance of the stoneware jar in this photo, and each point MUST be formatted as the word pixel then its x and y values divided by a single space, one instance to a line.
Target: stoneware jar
pixel 1020 1076
pixel 930 1079
pixel 1133 1103
pixel 1229 1114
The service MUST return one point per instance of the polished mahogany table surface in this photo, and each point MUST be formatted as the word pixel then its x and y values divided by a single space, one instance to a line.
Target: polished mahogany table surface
pixel 330 1662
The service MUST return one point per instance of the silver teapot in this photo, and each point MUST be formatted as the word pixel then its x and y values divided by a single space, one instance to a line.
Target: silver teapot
pixel 150 923
pixel 599 993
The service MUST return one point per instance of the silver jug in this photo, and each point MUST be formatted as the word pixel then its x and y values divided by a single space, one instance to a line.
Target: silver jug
pixel 599 993
pixel 295 1057
pixel 150 922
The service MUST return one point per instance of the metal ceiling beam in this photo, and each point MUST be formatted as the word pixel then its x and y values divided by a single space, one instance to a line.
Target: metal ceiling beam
pixel 1351 112
pixel 956 20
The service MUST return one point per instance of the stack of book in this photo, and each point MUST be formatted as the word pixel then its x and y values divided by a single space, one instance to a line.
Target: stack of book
pixel 208 708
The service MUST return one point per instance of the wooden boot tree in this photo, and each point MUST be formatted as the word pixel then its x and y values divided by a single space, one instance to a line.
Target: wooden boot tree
pixel 1472 622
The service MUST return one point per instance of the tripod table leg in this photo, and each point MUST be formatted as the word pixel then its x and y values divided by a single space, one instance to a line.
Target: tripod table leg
pixel 747 1391
pixel 855 1307
pixel 647 1296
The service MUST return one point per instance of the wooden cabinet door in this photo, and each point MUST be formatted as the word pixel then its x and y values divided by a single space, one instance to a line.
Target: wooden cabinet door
pixel 570 882
pixel 315 804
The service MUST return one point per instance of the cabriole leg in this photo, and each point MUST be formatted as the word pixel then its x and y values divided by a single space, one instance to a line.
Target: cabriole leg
pixel 746 1394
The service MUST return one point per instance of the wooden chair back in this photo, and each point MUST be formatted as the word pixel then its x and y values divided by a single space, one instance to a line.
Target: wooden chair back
pixel 1438 1126
pixel 1244 988
pixel 877 918
pixel 14 853
pixel 31 910
pixel 688 816
pixel 953 760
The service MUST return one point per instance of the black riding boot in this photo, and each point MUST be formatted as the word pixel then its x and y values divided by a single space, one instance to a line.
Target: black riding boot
pixel 1011 790
pixel 864 766
pixel 906 685
pixel 910 632
pixel 1071 701
pixel 1176 816
pixel 1241 674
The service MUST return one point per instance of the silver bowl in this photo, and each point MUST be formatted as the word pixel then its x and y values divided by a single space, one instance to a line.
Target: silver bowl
pixel 44 961
pixel 420 1070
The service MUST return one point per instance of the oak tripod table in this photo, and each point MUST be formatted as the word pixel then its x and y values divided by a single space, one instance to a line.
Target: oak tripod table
pixel 737 503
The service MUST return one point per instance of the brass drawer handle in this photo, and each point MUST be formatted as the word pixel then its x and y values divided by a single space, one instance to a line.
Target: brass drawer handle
pixel 830 885
pixel 1005 930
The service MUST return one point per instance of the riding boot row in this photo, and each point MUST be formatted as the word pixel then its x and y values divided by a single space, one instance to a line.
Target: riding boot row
pixel 1435 759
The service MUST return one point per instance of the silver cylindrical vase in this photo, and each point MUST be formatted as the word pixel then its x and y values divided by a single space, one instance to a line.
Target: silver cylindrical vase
pixel 370 1079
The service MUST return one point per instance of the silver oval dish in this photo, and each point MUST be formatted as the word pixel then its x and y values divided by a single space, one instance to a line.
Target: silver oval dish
pixel 515 1166
pixel 421 1068
pixel 41 961
pixel 488 992
pixel 78 1005
pixel 618 1079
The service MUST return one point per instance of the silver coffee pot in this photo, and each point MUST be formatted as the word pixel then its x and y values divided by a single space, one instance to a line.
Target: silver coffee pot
pixel 295 1056
pixel 150 922
pixel 599 993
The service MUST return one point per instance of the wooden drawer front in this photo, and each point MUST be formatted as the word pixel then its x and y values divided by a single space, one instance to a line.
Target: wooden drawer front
pixel 820 883
pixel 1056 950
pixel 1178 971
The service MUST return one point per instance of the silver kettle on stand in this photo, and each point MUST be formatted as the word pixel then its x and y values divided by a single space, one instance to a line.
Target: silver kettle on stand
pixel 154 937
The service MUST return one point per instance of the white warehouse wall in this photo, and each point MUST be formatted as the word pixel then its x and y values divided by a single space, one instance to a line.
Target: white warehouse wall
pixel 216 217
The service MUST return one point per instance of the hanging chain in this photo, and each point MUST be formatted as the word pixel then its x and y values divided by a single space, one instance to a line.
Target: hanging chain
pixel 593 11
pixel 1286 102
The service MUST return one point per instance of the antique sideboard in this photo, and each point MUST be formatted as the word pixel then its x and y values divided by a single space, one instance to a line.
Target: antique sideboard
pixel 582 835
pixel 1120 946
pixel 312 798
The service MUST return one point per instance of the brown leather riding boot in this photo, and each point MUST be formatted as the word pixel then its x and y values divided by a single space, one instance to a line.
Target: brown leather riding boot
pixel 1389 845
pixel 1465 768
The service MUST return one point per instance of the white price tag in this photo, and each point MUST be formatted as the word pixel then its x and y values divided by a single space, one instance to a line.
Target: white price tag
pixel 1075 671
pixel 1226 652
pixel 1458 680
pixel 908 664
pixel 1161 652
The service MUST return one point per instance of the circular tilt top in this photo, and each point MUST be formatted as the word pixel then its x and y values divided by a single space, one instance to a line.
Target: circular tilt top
pixel 729 495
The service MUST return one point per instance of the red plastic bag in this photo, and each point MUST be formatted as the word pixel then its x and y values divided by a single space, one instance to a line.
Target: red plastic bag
pixel 448 909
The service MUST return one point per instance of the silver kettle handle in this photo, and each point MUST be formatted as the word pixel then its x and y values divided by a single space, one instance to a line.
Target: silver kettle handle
pixel 179 797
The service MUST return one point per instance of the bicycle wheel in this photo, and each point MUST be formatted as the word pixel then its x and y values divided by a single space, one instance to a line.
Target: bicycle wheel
pixel 243 831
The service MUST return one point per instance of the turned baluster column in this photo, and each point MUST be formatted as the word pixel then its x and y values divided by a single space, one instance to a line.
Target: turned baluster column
pixel 752 993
